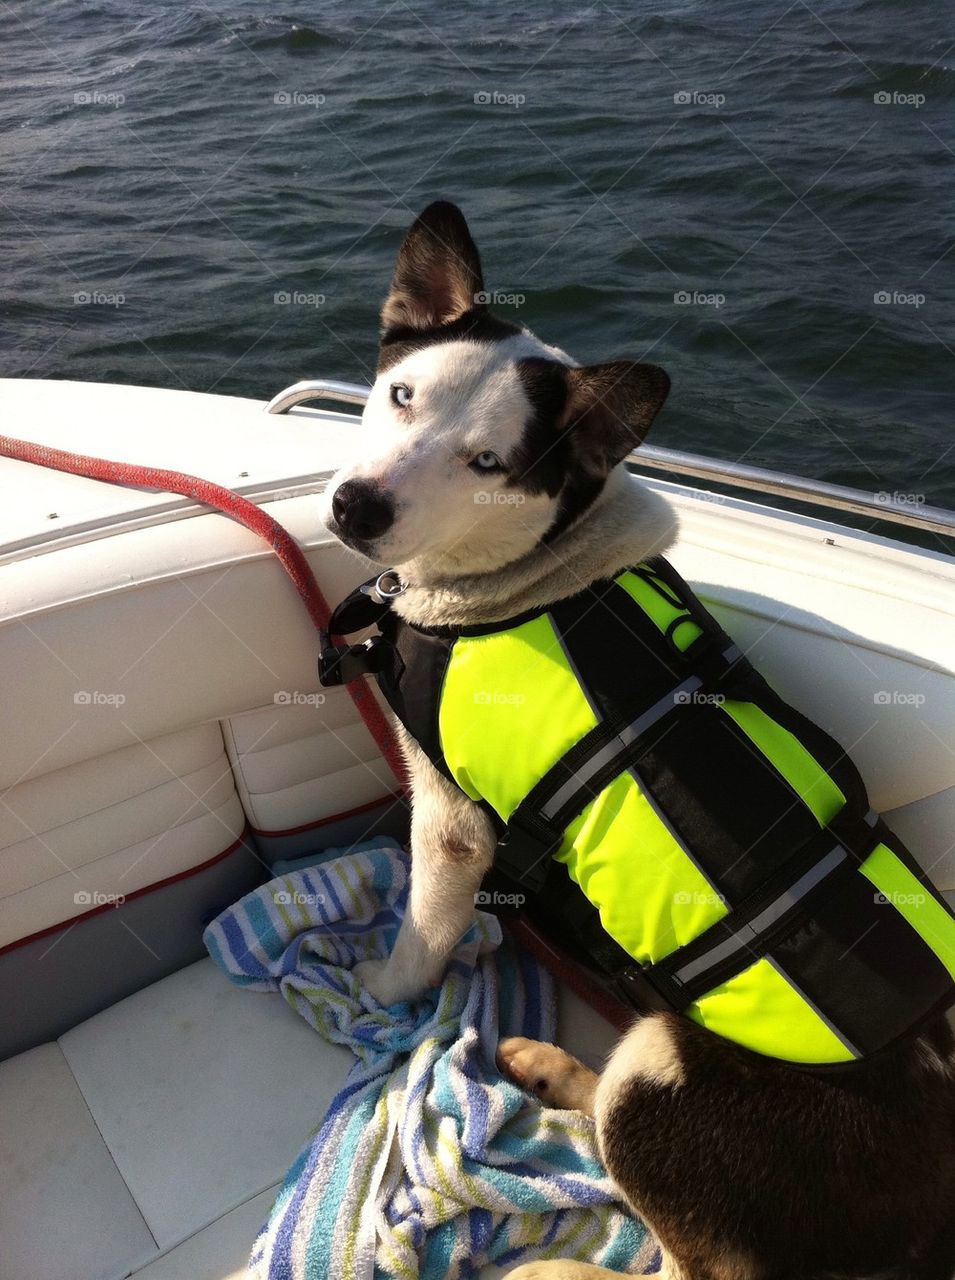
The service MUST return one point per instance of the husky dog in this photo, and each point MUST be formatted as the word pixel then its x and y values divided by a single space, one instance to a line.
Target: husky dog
pixel 489 476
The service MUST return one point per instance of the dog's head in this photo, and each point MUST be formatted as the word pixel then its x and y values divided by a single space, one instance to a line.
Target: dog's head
pixel 478 440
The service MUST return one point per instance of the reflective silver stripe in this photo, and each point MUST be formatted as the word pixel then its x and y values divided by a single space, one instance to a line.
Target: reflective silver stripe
pixel 751 932
pixel 675 698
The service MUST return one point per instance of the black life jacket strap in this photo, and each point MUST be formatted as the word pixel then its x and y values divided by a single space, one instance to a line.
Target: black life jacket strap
pixel 721 664
pixel 781 905
pixel 535 828
pixel 341 663
pixel 746 934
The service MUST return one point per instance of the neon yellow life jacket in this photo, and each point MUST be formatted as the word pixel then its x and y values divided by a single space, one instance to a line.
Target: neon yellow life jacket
pixel 711 850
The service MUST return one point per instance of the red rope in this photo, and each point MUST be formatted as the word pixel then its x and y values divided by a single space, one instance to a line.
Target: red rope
pixel 246 513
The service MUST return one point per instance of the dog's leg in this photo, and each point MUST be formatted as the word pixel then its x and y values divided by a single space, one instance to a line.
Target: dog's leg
pixel 452 846
pixel 648 1050
pixel 558 1079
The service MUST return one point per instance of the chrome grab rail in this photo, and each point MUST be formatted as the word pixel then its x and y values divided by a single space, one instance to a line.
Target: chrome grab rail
pixel 319 389
pixel 815 492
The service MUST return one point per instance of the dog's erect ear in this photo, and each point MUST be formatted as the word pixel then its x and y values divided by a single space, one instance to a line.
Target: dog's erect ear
pixel 610 408
pixel 438 273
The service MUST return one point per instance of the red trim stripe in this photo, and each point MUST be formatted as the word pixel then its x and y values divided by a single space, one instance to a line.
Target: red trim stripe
pixel 323 822
pixel 128 897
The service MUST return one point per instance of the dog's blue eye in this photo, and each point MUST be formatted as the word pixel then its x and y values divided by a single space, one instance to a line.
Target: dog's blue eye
pixel 487 461
pixel 401 394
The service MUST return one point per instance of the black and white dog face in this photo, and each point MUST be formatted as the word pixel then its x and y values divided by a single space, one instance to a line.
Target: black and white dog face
pixel 478 440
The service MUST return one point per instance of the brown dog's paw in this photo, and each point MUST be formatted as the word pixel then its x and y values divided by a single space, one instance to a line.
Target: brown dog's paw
pixel 554 1076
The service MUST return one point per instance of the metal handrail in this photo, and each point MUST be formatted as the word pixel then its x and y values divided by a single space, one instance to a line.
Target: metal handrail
pixel 319 389
pixel 881 506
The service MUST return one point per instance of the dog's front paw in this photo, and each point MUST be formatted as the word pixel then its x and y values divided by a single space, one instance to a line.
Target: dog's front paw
pixel 558 1079
pixel 388 987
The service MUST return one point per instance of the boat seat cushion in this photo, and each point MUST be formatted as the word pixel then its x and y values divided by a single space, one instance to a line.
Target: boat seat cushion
pixel 199 1089
pixel 150 1122
pixel 65 1210
pixel 150 1140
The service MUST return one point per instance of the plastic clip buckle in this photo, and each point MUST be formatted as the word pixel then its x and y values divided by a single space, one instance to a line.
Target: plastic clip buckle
pixel 522 855
pixel 341 663
pixel 641 991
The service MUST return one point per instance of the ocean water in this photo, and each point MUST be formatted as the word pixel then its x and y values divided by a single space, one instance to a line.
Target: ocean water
pixel 757 196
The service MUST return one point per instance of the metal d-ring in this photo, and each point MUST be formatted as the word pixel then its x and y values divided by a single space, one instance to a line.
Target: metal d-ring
pixel 388 585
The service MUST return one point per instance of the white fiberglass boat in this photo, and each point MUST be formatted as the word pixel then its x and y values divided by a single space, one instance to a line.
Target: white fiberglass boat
pixel 160 748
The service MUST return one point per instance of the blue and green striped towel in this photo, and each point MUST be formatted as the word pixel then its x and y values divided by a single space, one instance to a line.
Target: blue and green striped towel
pixel 429 1164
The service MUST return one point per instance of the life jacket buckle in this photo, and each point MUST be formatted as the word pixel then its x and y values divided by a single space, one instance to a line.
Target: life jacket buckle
pixel 645 991
pixel 523 855
pixel 339 664
pixel 721 665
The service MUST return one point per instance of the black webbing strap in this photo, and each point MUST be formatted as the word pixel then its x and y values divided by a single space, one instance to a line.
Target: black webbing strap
pixel 536 827
pixel 712 655
pixel 754 926
pixel 713 662
pixel 341 663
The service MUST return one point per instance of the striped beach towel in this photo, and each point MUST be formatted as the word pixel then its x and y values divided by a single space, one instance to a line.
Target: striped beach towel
pixel 429 1164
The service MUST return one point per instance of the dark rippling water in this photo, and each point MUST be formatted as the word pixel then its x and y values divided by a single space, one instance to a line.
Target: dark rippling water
pixel 179 157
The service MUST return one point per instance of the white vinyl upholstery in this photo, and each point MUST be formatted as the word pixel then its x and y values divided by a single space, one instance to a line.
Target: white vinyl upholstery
pixel 99 830
pixel 304 758
pixel 203 1091
pixel 186 622
pixel 217 1252
pixel 65 1211
pixel 155 1134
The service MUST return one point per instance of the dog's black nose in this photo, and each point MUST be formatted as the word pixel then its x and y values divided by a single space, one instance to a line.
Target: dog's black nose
pixel 362 510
